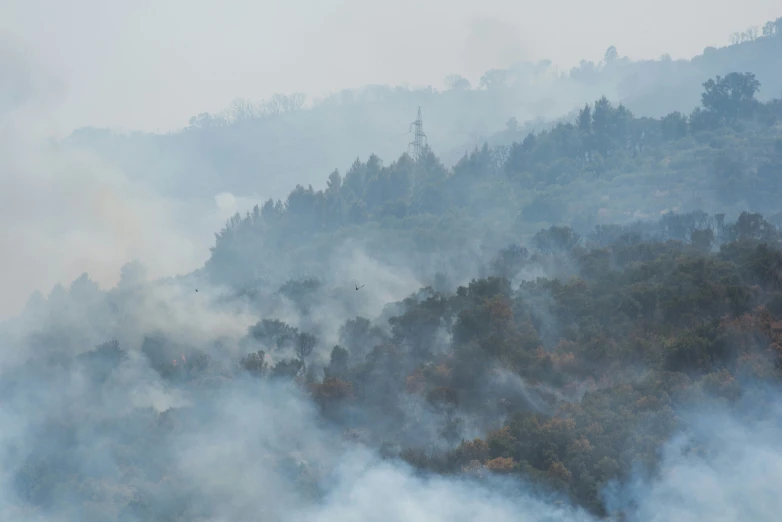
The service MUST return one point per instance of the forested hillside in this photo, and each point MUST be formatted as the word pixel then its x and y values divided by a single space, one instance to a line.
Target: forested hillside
pixel 575 323
pixel 261 147
pixel 606 167
pixel 572 382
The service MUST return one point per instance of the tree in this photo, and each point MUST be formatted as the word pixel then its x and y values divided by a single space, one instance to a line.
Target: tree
pixel 445 402
pixel 338 363
pixel 731 97
pixel 417 327
pixel 301 292
pixel 702 120
pixel 273 332
pixel 271 211
pixel 543 208
pixel 773 28
pixel 295 101
pixel 702 239
pixel 674 126
pixel 331 393
pixel 287 368
pixel 584 120
pixel 610 54
pixel 132 274
pixel 495 78
pixel 605 235
pixel 255 363
pixel 280 103
pixel 602 123
pixel 751 226
pixel 680 227
pixel 556 239
pixel 206 121
pixel 509 261
pixel 241 109
pixel 302 206
pixel 305 343
pixel 359 336
pixel 455 82
pixel 334 182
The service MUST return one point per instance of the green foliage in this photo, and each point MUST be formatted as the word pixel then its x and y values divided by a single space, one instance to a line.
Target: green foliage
pixel 673 126
pixel 689 315
pixel 556 240
pixel 509 261
pixel 287 368
pixel 731 97
pixel 338 362
pixel 305 343
pixel 255 363
pixel 274 333
pixel 556 176
pixel 575 379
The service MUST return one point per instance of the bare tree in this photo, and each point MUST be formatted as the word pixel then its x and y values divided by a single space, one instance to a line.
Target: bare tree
pixel 280 103
pixel 296 101
pixel 241 109
pixel 272 106
pixel 773 28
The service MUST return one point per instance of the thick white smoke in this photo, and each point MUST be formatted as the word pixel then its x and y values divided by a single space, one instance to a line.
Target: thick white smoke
pixel 238 448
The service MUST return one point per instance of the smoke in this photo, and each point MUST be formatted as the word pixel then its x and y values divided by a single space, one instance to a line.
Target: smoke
pixel 723 467
pixel 368 489
pixel 242 450
pixel 65 212
pixel 382 282
pixel 495 38
pixel 110 433
pixel 97 437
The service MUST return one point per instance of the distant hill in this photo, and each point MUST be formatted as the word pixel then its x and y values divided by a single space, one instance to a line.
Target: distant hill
pixel 654 88
pixel 257 152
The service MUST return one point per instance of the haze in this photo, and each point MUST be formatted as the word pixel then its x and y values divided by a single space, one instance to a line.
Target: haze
pixel 151 65
pixel 240 282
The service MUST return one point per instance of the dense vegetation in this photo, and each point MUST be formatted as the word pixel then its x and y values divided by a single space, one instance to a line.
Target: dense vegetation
pixel 591 368
pixel 583 288
pixel 607 166
pixel 570 380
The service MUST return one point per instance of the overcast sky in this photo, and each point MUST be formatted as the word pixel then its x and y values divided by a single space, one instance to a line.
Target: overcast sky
pixel 151 64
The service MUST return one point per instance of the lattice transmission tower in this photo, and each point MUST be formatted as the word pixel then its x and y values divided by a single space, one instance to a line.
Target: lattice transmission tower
pixel 416 149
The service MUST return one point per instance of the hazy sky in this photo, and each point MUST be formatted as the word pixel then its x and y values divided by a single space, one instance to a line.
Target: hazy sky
pixel 151 64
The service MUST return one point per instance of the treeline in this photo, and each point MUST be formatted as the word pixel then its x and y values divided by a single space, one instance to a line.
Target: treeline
pixel 729 147
pixel 255 148
pixel 495 81
pixel 601 132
